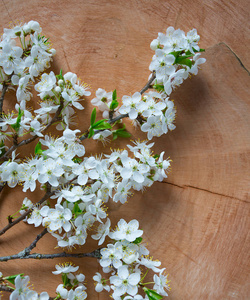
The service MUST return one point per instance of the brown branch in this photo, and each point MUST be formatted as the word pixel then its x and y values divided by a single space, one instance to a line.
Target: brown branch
pixel 24 215
pixel 113 120
pixel 33 244
pixel 21 255
pixel 4 90
pixel 148 84
pixel 5 288
pixel 31 139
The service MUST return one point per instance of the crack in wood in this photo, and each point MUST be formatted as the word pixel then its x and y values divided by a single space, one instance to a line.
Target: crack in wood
pixel 237 57
pixel 204 190
pixel 7 11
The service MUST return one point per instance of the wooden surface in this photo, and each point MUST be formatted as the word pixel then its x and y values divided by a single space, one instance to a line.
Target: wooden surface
pixel 197 221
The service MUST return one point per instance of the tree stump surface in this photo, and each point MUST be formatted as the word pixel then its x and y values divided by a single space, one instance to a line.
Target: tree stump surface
pixel 196 222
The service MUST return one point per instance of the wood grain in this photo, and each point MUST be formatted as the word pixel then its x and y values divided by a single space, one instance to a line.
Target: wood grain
pixel 197 221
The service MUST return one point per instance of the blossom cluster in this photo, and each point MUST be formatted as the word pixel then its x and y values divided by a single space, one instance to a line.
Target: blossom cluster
pixel 24 291
pixel 24 54
pixel 176 56
pixel 73 287
pixel 93 181
pixel 61 93
pixel 128 260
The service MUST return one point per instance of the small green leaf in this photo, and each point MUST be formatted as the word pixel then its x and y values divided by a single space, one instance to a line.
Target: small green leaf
pixel 99 122
pixel 38 149
pixel 66 281
pixel 138 240
pixel 76 210
pixel 115 136
pixel 60 76
pixel 12 278
pixel 2 148
pixel 175 53
pixel 77 160
pixel 102 126
pixel 91 132
pixel 124 134
pixel 93 117
pixel 16 126
pixel 183 61
pixel 158 87
pixel 201 50
pixel 114 104
pixel 114 95
pixel 152 295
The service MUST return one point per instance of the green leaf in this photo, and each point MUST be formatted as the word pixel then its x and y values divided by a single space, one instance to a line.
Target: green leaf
pixel 152 295
pixel 175 53
pixel 77 160
pixel 183 61
pixel 66 281
pixel 99 122
pixel 76 210
pixel 12 278
pixel 38 149
pixel 16 126
pixel 114 95
pixel 2 148
pixel 114 104
pixel 93 117
pixel 60 76
pixel 91 132
pixel 158 87
pixel 124 134
pixel 102 126
pixel 138 240
pixel 115 136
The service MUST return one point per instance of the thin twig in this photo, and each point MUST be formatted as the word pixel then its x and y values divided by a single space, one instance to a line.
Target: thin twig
pixel 24 215
pixel 31 139
pixel 148 84
pixel 44 198
pixel 94 254
pixel 113 120
pixel 5 288
pixel 28 249
pixel 4 90
pixel 2 186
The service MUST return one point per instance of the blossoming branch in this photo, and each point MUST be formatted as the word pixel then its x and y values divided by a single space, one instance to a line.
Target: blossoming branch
pixel 77 188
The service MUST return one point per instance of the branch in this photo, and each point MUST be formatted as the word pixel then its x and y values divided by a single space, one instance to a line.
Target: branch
pixel 148 84
pixel 5 288
pixel 28 249
pixel 2 186
pixel 31 139
pixel 4 90
pixel 94 254
pixel 111 120
pixel 24 215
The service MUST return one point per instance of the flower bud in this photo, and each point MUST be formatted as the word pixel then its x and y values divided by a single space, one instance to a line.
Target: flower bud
pixel 58 89
pixel 154 44
pixel 52 51
pixel 60 82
